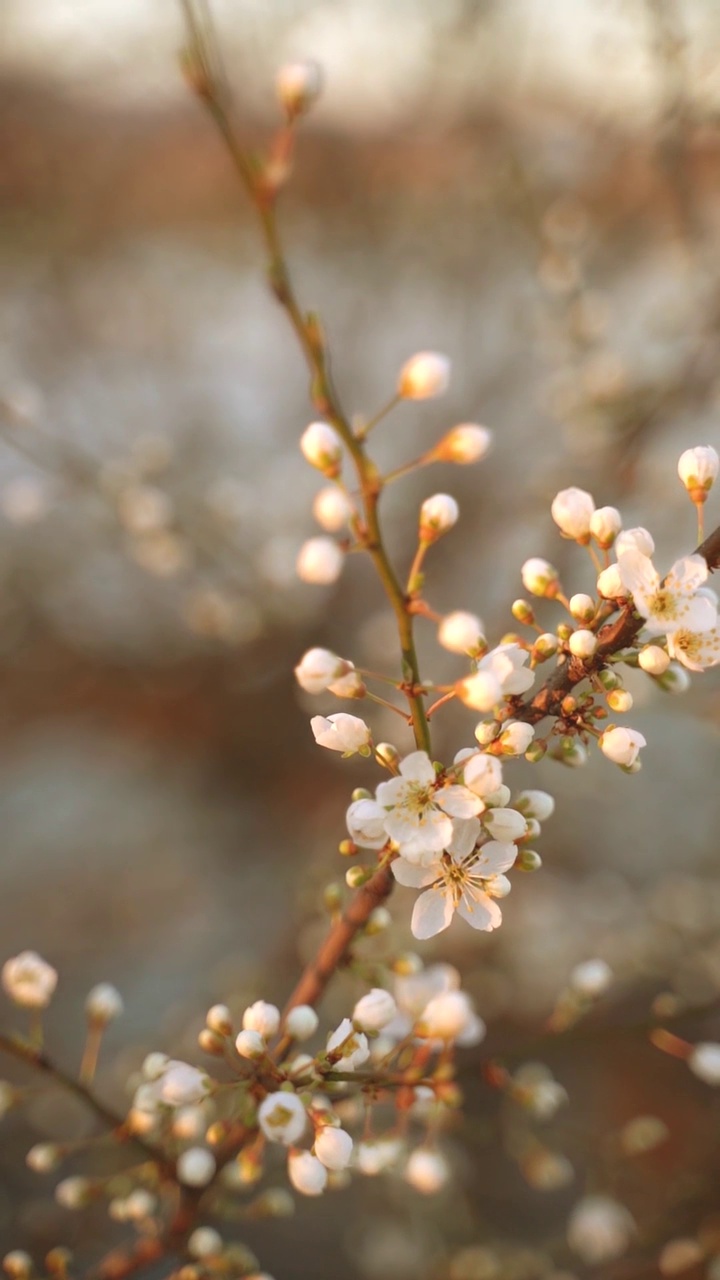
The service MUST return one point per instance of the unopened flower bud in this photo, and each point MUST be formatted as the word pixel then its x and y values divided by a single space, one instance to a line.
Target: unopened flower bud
pixel 302 1022
pixel 103 1004
pixel 29 980
pixel 605 525
pixel 675 679
pixel 522 611
pixel 535 752
pixel 460 632
pixel 332 509
pixel 333 1147
pixel 528 860
pixel 263 1018
pixel 621 745
pixel 319 561
pixel 318 668
pixel 44 1157
pixel 635 540
pixel 610 584
pixel 427 1171
pixel 582 644
pixel 374 1010
pixel 539 577
pixel 424 376
pixel 307 1174
pixel 341 732
pixel 357 876
pixel 438 514
pixel 250 1044
pixel 516 737
pixel 582 607
pixel 321 447
pixel 219 1019
pixel 465 443
pixel 298 85
pixel 210 1042
pixel 654 660
pixel 704 1062
pixel 73 1193
pixel 195 1167
pixel 698 470
pixel 572 509
pixel 546 646
pixel 387 754
pixel 536 804
pixel 204 1242
pixel 620 700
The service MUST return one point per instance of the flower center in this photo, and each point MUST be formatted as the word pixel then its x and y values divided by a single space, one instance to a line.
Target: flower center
pixel 664 605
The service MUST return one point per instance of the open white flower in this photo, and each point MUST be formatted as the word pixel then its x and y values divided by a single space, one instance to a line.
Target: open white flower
pixel 341 732
pixel 420 812
pixel 282 1117
pixel 671 604
pixel 29 980
pixel 696 650
pixel 507 664
pixel 465 880
pixel 348 1046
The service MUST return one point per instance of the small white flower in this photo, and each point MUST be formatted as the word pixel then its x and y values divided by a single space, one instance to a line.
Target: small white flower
pixel 103 1004
pixel 29 980
pixel 516 737
pixel 582 644
pixel 610 584
pixel 341 732
pixel 447 1016
pixel 654 660
pixel 460 632
pixel 333 1147
pixel 591 977
pixel 481 691
pixel 419 812
pixel 427 1171
pixel 437 514
pixel 319 561
pixel 536 804
pixel 599 1229
pixel 73 1193
pixel 634 540
pixel 468 442
pixel 332 508
pixel 696 650
pixel 539 577
pixel 348 1046
pixel 671 604
pixel 298 84
pixel 321 447
pixel 424 376
pixel 204 1242
pixel 374 1010
pixel 307 1174
pixel 195 1167
pixel 572 510
pixel 282 1117
pixel 302 1022
pixel 704 1062
pixel 502 668
pixel 318 668
pixel 605 525
pixel 463 880
pixel 698 470
pixel 621 745
pixel 263 1018
pixel 44 1157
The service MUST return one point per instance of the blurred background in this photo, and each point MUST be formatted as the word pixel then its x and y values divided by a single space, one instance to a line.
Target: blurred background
pixel 532 189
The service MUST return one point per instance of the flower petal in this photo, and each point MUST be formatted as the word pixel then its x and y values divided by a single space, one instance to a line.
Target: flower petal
pixel 459 802
pixel 479 911
pixel 417 767
pixel 432 913
pixel 465 834
pixel 413 876
pixel 495 857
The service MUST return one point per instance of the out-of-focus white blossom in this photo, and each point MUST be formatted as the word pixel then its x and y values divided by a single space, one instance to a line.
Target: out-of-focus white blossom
pixel 318 668
pixel 29 980
pixel 103 1004
pixel 332 508
pixel 500 673
pixel 302 1022
pixel 307 1174
pixel 44 1157
pixel 572 510
pixel 460 632
pixel 599 1229
pixel 468 442
pixel 704 1062
pixel 591 977
pixel 448 1016
pixel 539 577
pixel 678 1256
pixel 17 1264
pixel 621 745
pixel 424 376
pixel 298 84
pixel 698 470
pixel 319 561
pixel 374 1010
pixel 263 1018
pixel 333 1147
pixel 195 1167
pixel 322 448
pixel 426 1170
pixel 282 1117
pixel 341 732
pixel 437 514
pixel 376 1155
pixel 638 539
pixel 204 1242
pixel 605 525
pixel 73 1193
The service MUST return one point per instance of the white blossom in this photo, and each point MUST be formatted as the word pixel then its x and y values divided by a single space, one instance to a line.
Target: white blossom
pixel 704 1062
pixel 460 632
pixel 424 376
pixel 437 514
pixel 516 737
pixel 467 442
pixel 500 673
pixel 250 1045
pixel 605 525
pixel 341 732
pixel 302 1022
pixel 263 1018
pixel 539 577
pixel 698 470
pixel 426 1170
pixel 448 1016
pixel 582 643
pixel 374 1010
pixel 482 774
pixel 181 1084
pixel 638 539
pixel 44 1157
pixel 219 1019
pixel 582 607
pixel 378 1154
pixel 318 668
pixel 610 584
pixel 195 1167
pixel 591 977
pixel 298 84
pixel 307 1174
pixel 319 561
pixel 332 508
pixel 696 650
pixel 29 980
pixel 654 660
pixel 621 745
pixel 672 603
pixel 572 510
pixel 103 1004
pixel 204 1242
pixel 348 1046
pixel 321 447
pixel 481 691
pixel 73 1193
pixel 333 1147
pixel 282 1117
pixel 464 880
pixel 599 1229
pixel 419 812
pixel 366 823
